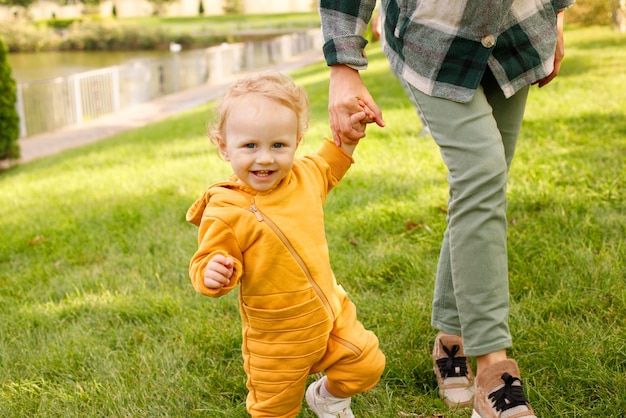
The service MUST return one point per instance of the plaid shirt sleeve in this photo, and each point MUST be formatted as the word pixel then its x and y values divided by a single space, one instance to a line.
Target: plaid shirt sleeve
pixel 562 4
pixel 444 48
pixel 344 23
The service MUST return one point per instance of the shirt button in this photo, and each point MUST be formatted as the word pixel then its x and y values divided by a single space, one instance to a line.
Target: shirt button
pixel 488 41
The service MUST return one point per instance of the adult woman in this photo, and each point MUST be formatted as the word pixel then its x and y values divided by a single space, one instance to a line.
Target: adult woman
pixel 468 67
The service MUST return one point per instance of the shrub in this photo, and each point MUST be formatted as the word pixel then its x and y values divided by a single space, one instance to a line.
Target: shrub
pixel 61 23
pixel 233 7
pixel 589 13
pixel 9 120
pixel 24 37
pixel 110 35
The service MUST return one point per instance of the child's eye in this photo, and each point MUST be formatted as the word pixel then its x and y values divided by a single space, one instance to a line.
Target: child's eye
pixel 250 146
pixel 278 145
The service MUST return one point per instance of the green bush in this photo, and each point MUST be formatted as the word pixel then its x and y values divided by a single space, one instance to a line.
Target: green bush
pixel 61 23
pixel 24 37
pixel 9 120
pixel 110 36
pixel 233 7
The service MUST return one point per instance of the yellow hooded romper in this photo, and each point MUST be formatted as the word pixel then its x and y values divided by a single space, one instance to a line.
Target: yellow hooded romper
pixel 296 320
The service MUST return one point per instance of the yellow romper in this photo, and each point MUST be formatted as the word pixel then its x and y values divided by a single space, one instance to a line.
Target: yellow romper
pixel 296 320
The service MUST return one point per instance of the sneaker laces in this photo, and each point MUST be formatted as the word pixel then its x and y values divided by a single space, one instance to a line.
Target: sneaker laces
pixel 452 366
pixel 510 395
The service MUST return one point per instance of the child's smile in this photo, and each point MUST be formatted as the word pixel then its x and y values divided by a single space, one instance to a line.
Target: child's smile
pixel 260 142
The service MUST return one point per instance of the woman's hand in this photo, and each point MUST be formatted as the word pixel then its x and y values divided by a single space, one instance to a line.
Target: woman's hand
pixel 348 96
pixel 559 53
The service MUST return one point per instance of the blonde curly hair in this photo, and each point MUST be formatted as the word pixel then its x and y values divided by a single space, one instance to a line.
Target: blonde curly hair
pixel 274 86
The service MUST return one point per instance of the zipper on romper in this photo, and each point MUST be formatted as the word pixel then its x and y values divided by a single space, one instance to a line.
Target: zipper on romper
pixel 261 217
pixel 256 212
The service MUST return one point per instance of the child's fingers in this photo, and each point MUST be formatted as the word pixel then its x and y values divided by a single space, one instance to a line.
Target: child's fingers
pixel 359 119
pixel 216 274
pixel 224 261
pixel 371 116
pixel 220 269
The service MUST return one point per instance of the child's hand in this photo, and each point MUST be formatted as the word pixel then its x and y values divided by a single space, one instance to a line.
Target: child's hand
pixel 370 116
pixel 218 272
pixel 360 119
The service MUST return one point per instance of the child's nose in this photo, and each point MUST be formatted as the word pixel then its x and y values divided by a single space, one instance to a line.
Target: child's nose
pixel 265 157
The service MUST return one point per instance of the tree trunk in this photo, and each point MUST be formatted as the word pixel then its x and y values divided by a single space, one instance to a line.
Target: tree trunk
pixel 619 15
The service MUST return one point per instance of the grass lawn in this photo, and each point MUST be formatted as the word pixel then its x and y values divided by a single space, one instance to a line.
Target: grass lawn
pixel 98 317
pixel 228 23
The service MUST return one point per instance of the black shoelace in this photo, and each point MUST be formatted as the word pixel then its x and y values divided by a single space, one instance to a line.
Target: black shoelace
pixel 452 366
pixel 509 396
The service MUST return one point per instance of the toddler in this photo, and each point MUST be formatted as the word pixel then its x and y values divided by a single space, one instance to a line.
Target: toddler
pixel 263 231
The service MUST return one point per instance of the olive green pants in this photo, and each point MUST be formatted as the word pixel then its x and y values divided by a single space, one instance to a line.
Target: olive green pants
pixel 477 141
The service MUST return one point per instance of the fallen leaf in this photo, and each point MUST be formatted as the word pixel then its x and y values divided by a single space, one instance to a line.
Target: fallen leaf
pixel 410 225
pixel 39 239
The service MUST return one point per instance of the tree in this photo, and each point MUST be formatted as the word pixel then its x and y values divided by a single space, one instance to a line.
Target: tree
pixel 9 119
pixel 85 2
pixel 159 5
pixel 233 7
pixel 619 15
pixel 21 3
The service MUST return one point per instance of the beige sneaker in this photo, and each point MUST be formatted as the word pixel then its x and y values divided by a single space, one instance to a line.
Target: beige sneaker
pixel 454 373
pixel 329 407
pixel 500 393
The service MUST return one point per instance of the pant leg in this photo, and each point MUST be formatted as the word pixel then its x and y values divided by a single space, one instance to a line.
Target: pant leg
pixel 477 142
pixel 285 403
pixel 349 355
pixel 508 113
pixel 353 362
pixel 278 354
pixel 407 88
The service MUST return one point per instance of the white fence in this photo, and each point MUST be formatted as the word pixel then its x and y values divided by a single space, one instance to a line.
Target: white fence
pixel 47 105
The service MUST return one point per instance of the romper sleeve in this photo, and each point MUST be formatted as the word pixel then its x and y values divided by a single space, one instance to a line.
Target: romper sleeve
pixel 329 164
pixel 215 237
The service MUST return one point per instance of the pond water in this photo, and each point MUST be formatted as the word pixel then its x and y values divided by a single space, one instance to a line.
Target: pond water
pixel 43 65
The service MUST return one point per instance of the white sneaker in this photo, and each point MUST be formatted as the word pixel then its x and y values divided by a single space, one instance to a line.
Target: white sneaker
pixel 329 407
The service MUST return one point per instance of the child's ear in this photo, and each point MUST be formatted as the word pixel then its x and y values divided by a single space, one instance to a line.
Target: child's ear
pixel 222 147
pixel 224 153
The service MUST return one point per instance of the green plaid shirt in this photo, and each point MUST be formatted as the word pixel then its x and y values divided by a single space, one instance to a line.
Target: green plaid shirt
pixel 444 47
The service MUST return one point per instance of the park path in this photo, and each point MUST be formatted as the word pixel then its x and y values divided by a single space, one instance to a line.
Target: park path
pixel 45 144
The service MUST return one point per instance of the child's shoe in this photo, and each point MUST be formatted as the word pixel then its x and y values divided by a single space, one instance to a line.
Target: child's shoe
pixel 454 373
pixel 329 407
pixel 500 393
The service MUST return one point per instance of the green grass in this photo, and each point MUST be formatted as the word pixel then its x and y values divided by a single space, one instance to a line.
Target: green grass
pixel 228 23
pixel 98 317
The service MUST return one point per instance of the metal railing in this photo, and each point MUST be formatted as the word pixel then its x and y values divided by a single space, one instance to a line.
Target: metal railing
pixel 48 105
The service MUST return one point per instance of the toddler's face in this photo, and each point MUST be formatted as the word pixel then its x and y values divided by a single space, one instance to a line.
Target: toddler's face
pixel 260 142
